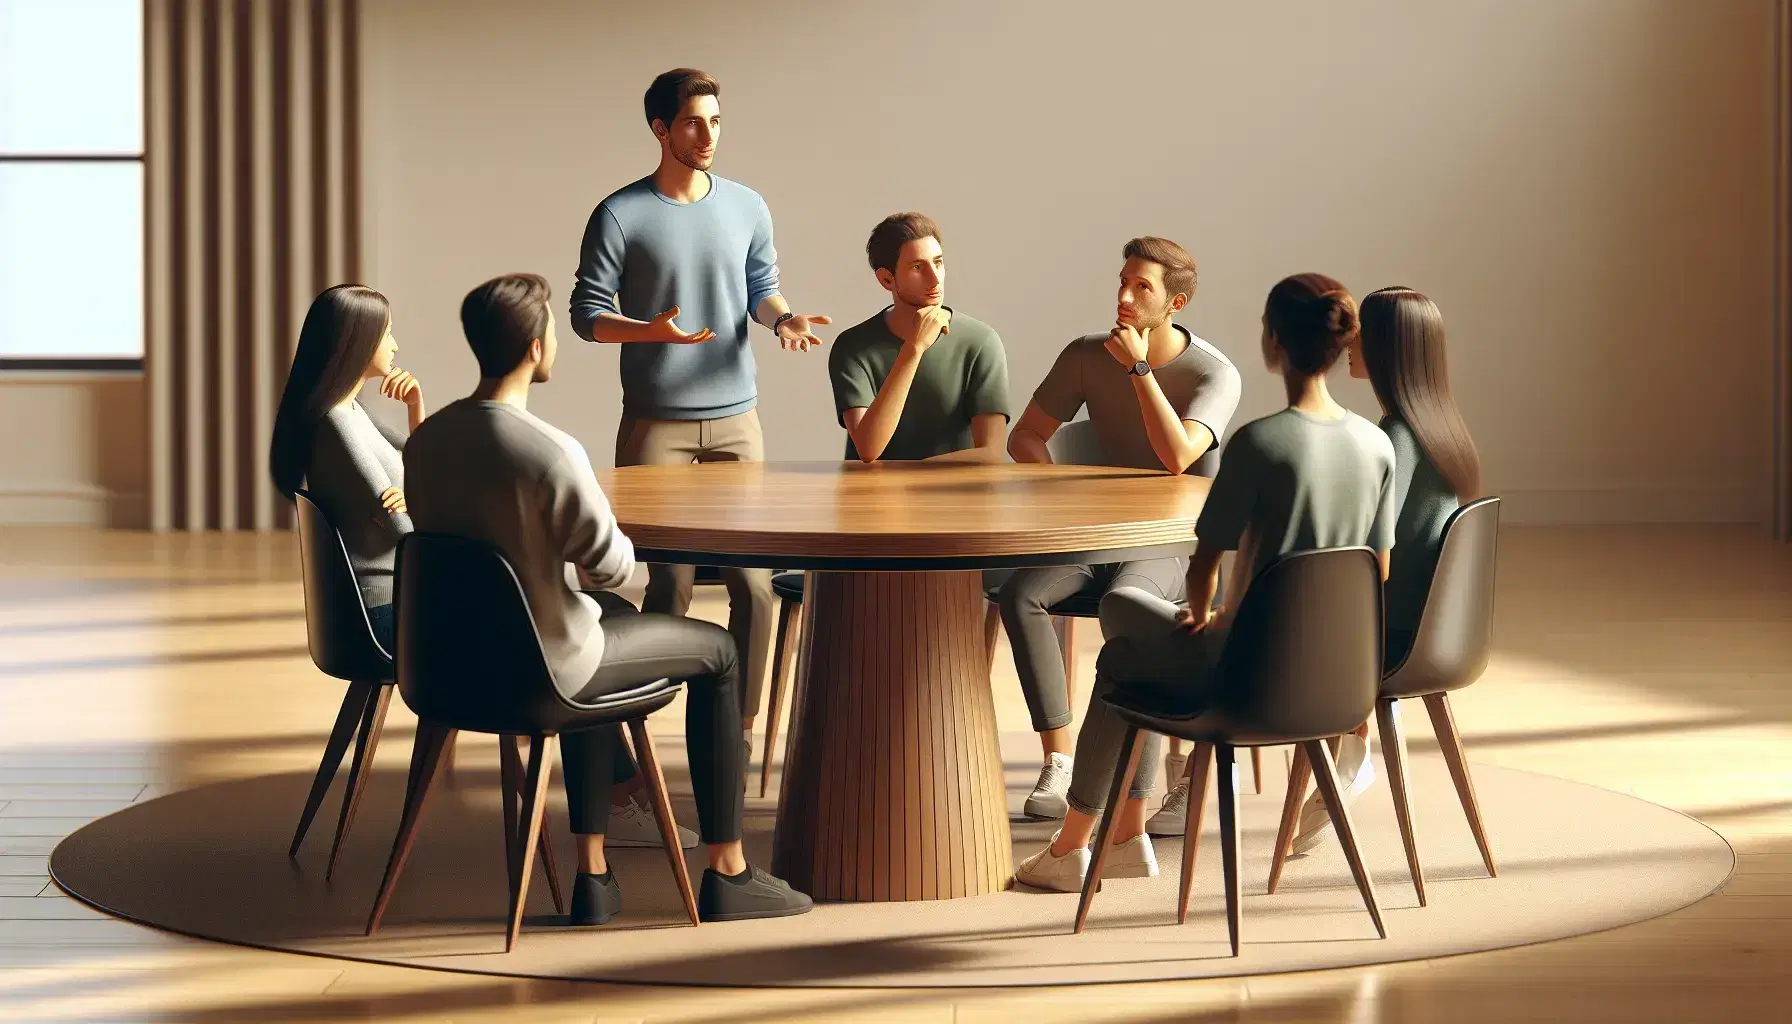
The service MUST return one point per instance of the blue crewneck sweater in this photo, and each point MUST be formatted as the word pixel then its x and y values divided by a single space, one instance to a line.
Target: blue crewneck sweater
pixel 643 254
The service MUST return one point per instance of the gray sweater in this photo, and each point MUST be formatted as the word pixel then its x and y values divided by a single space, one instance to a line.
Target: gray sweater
pixel 354 458
pixel 492 472
pixel 713 259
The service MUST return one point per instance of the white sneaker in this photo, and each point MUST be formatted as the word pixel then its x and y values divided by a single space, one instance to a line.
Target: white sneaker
pixel 1356 773
pixel 1051 794
pixel 1059 874
pixel 634 826
pixel 1171 818
pixel 1132 859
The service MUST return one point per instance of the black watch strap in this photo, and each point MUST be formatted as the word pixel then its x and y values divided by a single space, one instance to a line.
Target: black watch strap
pixel 780 321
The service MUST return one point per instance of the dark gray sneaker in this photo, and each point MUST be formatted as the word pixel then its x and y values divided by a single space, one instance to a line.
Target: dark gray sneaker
pixel 595 899
pixel 744 898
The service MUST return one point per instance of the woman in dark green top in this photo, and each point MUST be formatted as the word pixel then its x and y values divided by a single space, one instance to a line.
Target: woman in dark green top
pixel 1436 467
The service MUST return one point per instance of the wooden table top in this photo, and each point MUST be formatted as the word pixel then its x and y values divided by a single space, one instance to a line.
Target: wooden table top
pixel 902 515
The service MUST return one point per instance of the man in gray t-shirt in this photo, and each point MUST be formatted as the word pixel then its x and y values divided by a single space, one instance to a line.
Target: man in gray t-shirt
pixel 1158 398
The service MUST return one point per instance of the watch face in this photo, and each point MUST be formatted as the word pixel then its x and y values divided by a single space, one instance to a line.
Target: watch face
pixel 1141 368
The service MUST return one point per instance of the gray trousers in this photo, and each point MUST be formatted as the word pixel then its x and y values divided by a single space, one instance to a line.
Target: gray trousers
pixel 1025 599
pixel 1144 647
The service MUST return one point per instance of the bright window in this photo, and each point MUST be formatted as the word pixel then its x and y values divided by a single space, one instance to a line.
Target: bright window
pixel 71 183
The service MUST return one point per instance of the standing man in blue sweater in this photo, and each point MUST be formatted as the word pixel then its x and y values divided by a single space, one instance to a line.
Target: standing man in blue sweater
pixel 686 246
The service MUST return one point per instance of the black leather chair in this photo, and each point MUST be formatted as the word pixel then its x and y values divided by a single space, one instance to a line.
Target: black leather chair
pixel 343 646
pixel 1302 664
pixel 1447 652
pixel 469 659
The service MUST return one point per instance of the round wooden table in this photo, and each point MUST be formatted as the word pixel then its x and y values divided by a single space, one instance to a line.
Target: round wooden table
pixel 892 783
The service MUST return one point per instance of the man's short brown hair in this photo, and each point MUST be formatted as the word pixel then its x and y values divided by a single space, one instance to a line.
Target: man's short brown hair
pixel 671 91
pixel 1179 266
pixel 501 317
pixel 894 232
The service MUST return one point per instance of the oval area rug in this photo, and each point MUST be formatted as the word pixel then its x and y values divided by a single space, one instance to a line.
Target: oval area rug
pixel 211 862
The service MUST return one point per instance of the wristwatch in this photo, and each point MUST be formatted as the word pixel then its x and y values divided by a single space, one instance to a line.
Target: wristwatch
pixel 1140 368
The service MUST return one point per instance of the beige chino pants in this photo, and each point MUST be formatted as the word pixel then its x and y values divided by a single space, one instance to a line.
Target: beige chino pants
pixel 752 607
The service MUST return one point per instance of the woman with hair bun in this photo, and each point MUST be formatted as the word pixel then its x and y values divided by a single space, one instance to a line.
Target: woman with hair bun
pixel 1314 475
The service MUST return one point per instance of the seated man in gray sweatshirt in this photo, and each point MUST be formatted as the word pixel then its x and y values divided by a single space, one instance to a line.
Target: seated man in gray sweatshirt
pixel 683 244
pixel 485 469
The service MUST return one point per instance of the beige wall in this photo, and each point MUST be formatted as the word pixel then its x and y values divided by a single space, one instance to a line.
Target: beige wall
pixel 1583 185
pixel 73 449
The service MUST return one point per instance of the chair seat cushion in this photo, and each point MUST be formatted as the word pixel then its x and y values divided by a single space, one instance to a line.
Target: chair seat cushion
pixel 788 586
pixel 623 704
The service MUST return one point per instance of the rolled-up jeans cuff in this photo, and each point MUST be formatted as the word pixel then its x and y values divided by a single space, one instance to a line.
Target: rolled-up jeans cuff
pixel 1055 722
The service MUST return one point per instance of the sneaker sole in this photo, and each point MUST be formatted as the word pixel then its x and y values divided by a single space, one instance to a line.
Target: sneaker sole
pixel 1166 830
pixel 753 915
pixel 1040 810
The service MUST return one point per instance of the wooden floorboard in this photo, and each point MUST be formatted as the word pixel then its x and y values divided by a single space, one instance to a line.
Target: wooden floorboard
pixel 1650 660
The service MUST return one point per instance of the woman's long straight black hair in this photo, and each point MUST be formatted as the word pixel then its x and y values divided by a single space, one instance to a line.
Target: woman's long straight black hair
pixel 342 331
pixel 1403 349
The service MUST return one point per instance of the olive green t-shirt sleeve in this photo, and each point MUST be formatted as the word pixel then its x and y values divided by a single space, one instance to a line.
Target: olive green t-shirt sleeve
pixel 986 379
pixel 853 385
pixel 1061 394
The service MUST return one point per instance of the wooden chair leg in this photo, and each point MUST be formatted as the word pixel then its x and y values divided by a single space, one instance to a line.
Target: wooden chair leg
pixel 426 760
pixel 992 625
pixel 662 812
pixel 1225 755
pixel 1299 773
pixel 1444 722
pixel 367 742
pixel 535 792
pixel 1257 770
pixel 782 659
pixel 348 718
pixel 510 764
pixel 1199 764
pixel 1393 754
pixel 1325 774
pixel 1130 747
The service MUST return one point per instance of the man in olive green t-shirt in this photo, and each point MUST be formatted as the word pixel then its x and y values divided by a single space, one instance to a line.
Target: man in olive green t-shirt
pixel 918 380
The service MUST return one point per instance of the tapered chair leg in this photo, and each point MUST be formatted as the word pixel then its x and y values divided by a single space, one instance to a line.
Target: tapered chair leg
pixel 426 759
pixel 348 719
pixel 1228 787
pixel 510 764
pixel 1393 753
pixel 782 659
pixel 1130 746
pixel 1444 722
pixel 1257 770
pixel 1200 761
pixel 1299 773
pixel 367 742
pixel 535 791
pixel 1325 775
pixel 662 811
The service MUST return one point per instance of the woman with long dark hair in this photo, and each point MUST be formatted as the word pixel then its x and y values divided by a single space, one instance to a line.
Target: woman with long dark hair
pixel 1400 351
pixel 1401 354
pixel 325 442
pixel 1314 475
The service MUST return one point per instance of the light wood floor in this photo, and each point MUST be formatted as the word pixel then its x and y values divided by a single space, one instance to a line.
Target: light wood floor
pixel 1656 661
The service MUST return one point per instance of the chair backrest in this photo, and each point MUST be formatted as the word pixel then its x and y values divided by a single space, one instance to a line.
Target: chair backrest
pixel 1303 657
pixel 469 656
pixel 1075 444
pixel 336 627
pixel 1455 633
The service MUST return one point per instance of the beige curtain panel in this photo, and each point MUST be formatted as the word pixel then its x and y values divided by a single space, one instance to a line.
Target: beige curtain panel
pixel 254 203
